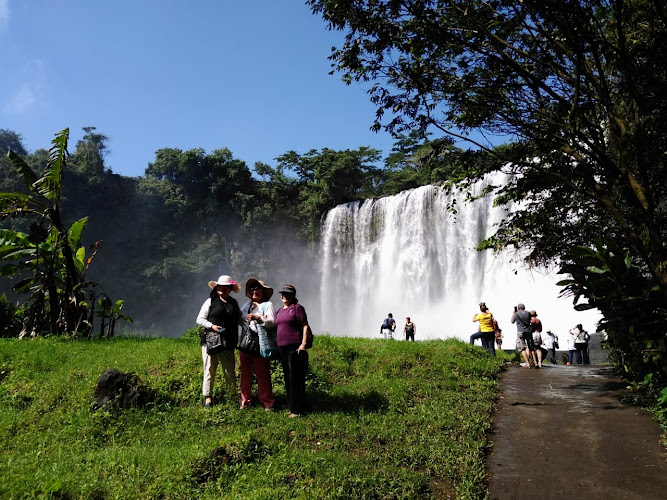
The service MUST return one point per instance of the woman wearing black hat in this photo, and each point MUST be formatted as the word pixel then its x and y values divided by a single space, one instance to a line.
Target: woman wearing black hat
pixel 292 324
pixel 258 310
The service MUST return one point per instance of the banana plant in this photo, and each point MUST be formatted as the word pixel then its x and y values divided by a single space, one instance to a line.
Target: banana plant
pixel 109 312
pixel 50 259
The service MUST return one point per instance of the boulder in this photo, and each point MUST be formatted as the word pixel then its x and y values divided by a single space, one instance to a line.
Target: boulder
pixel 121 390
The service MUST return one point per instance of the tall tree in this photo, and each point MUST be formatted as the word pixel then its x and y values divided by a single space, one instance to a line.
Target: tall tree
pixel 328 178
pixel 578 85
pixel 50 254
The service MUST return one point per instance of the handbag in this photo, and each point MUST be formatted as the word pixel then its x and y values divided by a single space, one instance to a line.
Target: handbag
pixel 214 343
pixel 309 337
pixel 249 341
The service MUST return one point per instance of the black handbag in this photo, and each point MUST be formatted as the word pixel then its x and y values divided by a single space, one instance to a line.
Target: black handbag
pixel 309 338
pixel 249 341
pixel 214 343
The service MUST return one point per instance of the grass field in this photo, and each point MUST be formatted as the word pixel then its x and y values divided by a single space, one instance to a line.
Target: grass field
pixel 387 419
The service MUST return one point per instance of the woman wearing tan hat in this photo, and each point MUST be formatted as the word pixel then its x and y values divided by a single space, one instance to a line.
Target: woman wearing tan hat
pixel 220 313
pixel 258 310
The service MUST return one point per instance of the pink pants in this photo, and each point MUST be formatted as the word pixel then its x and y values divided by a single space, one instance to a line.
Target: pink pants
pixel 262 369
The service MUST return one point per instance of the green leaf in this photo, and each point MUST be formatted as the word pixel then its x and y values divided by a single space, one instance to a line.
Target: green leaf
pixel 75 232
pixel 24 285
pixel 80 258
pixel 23 169
pixel 50 184
pixel 597 270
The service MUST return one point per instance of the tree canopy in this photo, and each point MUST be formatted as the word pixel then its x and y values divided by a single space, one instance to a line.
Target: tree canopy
pixel 578 86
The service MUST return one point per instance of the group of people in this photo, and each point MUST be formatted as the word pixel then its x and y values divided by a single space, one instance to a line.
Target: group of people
pixel 534 345
pixel 220 314
pixel 388 328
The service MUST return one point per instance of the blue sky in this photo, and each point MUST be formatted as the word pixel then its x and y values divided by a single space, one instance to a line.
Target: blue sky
pixel 249 75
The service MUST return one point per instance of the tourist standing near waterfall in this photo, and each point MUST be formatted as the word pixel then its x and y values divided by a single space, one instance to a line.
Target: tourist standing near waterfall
pixel 258 310
pixel 486 331
pixel 409 329
pixel 220 313
pixel 524 333
pixel 581 338
pixel 536 326
pixel 292 324
pixel 388 327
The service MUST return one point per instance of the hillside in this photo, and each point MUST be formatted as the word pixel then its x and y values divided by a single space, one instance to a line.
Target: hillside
pixel 386 420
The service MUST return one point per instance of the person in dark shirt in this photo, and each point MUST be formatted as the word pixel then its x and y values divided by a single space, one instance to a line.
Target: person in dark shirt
pixel 410 329
pixel 220 313
pixel 292 325
pixel 524 333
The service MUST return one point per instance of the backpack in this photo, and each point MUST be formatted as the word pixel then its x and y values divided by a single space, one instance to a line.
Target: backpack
pixel 387 323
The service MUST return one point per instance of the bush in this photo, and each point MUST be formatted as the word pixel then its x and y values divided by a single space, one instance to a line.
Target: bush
pixel 11 318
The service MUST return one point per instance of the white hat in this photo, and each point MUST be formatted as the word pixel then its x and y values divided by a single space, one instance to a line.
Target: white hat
pixel 225 280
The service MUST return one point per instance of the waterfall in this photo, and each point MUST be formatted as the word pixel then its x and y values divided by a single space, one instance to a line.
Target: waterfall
pixel 409 255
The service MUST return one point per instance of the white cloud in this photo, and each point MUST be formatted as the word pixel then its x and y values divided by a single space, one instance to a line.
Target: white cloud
pixel 25 98
pixel 4 13
pixel 30 91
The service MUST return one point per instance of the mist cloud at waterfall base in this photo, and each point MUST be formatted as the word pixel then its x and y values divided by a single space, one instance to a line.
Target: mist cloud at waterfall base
pixel 406 254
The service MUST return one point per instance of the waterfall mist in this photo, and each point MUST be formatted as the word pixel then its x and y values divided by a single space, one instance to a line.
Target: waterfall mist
pixel 406 254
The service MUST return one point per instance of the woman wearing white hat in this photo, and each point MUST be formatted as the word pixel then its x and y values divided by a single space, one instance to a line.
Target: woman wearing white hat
pixel 220 313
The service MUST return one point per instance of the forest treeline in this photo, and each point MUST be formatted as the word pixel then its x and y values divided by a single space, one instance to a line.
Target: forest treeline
pixel 195 214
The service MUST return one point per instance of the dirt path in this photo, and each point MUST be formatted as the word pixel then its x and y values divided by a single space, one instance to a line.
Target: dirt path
pixel 563 431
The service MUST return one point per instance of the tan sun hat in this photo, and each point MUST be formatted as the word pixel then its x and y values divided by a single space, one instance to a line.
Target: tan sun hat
pixel 225 280
pixel 268 291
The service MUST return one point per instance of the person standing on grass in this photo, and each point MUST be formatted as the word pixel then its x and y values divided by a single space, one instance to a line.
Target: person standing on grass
pixel 388 327
pixel 220 313
pixel 524 333
pixel 410 329
pixel 486 329
pixel 292 324
pixel 258 310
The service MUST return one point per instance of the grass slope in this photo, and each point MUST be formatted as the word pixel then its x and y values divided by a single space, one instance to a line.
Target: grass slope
pixel 387 420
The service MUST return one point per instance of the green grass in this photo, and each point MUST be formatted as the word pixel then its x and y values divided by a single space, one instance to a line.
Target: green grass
pixel 386 420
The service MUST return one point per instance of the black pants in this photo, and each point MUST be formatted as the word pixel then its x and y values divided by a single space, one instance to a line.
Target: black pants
pixel 582 353
pixel 295 368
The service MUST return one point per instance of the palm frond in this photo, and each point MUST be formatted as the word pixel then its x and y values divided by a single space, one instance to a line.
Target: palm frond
pixel 51 183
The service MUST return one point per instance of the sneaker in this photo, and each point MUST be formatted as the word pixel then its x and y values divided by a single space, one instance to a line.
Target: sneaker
pixel 268 409
pixel 293 415
pixel 208 404
pixel 568 363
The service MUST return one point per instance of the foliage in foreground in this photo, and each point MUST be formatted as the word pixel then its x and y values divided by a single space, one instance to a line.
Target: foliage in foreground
pixel 387 420
pixel 50 259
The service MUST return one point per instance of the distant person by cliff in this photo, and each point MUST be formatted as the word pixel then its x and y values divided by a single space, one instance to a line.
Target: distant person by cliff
pixel 388 327
pixel 409 329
